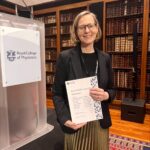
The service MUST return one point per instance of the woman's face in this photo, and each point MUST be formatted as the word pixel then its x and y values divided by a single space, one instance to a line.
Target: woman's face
pixel 87 30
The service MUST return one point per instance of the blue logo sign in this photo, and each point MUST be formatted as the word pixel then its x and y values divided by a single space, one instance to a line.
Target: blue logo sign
pixel 11 55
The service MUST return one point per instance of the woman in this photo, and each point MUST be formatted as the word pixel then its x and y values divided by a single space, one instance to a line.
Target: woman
pixel 79 62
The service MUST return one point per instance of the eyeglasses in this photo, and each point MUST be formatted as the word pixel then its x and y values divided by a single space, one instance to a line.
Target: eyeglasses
pixel 89 26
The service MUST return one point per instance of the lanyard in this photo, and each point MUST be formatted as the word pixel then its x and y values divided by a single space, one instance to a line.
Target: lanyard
pixel 87 73
pixel 96 69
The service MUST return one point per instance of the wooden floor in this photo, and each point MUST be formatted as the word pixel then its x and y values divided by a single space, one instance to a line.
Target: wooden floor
pixel 125 128
pixel 130 129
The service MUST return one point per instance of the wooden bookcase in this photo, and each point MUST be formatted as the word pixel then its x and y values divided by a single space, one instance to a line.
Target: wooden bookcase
pixel 50 48
pixel 123 13
pixel 121 17
pixel 117 20
pixel 145 82
pixel 147 93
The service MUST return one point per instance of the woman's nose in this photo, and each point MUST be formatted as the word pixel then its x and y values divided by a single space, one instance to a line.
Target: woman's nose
pixel 86 29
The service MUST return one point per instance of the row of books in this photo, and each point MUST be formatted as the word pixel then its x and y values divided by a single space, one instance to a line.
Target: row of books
pixel 67 43
pixel 124 61
pixel 51 30
pixel 124 7
pixel 123 26
pixel 50 79
pixel 49 91
pixel 147 97
pixel 50 67
pixel 119 44
pixel 149 26
pixel 67 17
pixel 123 79
pixel 66 29
pixel 47 19
pixel 148 62
pixel 126 94
pixel 149 44
pixel 51 55
pixel 50 42
pixel 148 79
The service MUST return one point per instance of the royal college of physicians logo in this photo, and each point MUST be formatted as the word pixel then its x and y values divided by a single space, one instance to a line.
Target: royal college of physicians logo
pixel 11 55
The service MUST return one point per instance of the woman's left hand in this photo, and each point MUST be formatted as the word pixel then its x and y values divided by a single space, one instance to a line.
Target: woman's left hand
pixel 99 94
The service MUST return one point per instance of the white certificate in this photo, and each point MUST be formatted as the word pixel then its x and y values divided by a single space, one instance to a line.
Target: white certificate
pixel 83 108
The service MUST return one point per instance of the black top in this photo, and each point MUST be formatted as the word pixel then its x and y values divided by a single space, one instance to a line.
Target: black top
pixel 89 63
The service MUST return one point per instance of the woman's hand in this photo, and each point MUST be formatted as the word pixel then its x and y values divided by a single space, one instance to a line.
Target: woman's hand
pixel 73 125
pixel 99 94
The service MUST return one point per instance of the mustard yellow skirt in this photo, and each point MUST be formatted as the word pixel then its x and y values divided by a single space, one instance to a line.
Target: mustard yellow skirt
pixel 89 137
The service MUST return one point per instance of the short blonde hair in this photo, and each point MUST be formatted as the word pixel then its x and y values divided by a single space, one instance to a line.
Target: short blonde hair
pixel 74 35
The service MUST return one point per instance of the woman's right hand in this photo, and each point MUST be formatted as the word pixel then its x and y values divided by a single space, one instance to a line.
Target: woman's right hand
pixel 73 125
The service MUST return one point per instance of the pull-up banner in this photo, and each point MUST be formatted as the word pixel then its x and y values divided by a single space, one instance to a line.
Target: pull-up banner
pixel 20 55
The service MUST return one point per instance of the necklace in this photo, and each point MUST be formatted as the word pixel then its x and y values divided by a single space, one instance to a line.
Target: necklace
pixel 88 73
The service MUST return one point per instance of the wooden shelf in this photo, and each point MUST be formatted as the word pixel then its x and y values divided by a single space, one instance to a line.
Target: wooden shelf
pixel 121 35
pixel 51 47
pixel 50 60
pixel 65 34
pixel 50 24
pixel 120 53
pixel 66 22
pixel 50 35
pixel 123 68
pixel 126 16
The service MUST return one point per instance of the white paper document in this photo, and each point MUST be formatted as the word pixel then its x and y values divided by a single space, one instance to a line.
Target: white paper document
pixel 83 108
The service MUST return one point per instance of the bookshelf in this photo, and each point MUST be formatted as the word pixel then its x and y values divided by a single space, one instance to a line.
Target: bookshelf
pixel 121 16
pixel 147 95
pixel 50 48
pixel 144 89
